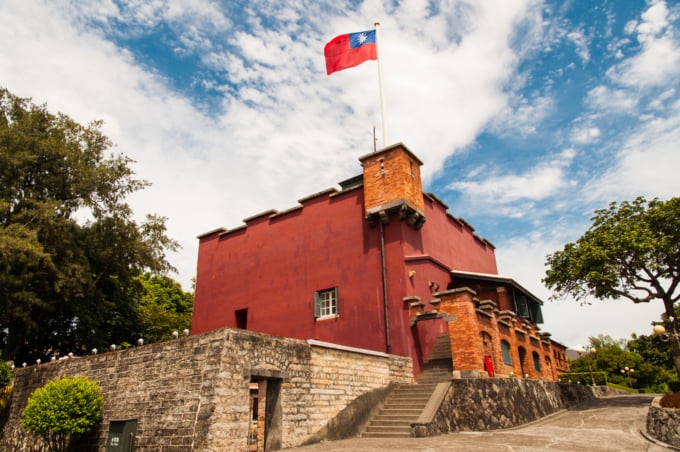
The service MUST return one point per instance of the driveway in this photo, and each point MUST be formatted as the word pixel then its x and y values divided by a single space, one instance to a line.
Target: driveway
pixel 605 424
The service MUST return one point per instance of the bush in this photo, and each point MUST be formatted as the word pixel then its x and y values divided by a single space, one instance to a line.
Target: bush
pixel 63 409
pixel 585 378
pixel 5 396
pixel 5 374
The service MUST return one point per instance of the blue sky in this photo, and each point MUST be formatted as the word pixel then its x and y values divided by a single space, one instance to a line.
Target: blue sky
pixel 528 115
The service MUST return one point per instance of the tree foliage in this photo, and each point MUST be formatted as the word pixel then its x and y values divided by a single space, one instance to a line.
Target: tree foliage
pixel 63 409
pixel 163 308
pixel 70 248
pixel 632 251
pixel 643 354
pixel 5 374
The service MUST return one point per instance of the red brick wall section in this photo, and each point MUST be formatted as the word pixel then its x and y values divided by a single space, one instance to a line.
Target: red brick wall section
pixel 391 175
pixel 478 330
pixel 466 348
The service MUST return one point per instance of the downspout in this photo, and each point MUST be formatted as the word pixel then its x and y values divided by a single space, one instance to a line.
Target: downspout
pixel 388 344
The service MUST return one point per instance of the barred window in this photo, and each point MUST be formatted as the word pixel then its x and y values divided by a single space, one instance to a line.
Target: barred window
pixel 326 303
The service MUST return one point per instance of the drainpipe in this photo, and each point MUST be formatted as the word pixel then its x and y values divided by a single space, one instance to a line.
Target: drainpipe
pixel 388 344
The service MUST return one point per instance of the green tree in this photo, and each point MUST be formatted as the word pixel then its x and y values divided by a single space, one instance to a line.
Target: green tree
pixel 163 308
pixel 69 245
pixel 610 356
pixel 632 251
pixel 63 409
pixel 5 374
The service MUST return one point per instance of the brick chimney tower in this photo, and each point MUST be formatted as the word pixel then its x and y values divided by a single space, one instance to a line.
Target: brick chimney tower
pixel 392 184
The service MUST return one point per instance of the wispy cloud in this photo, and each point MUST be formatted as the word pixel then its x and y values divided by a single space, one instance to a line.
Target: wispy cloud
pixel 659 58
pixel 539 182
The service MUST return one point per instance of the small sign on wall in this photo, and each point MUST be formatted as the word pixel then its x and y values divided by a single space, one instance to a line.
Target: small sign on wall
pixel 121 436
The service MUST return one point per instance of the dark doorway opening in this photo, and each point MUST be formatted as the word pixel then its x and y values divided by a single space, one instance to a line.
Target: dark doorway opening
pixel 241 318
pixel 265 426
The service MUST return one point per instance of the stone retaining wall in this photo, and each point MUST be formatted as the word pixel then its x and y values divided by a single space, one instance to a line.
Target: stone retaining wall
pixel 490 404
pixel 664 423
pixel 193 393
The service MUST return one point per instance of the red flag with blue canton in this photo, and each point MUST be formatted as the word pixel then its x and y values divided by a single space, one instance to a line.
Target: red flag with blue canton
pixel 350 50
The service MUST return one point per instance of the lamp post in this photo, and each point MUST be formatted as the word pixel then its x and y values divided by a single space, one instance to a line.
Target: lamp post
pixel 660 331
pixel 588 357
pixel 628 371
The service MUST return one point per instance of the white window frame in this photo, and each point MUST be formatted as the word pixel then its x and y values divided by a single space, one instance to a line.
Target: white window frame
pixel 326 303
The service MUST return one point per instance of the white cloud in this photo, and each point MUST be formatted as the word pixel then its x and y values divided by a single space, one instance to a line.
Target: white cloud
pixel 581 42
pixel 583 135
pixel 606 99
pixel 646 164
pixel 654 20
pixel 659 58
pixel 522 116
pixel 540 182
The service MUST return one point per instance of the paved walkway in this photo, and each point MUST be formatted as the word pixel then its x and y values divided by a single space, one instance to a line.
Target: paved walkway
pixel 607 424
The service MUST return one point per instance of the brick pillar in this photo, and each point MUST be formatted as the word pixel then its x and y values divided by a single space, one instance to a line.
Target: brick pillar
pixel 467 350
pixel 504 300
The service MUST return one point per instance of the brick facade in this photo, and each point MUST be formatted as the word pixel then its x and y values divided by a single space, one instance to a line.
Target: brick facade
pixel 477 328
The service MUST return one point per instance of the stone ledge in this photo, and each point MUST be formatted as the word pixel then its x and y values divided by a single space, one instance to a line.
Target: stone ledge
pixel 663 424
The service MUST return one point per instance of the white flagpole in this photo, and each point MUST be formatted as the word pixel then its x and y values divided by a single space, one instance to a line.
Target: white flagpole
pixel 380 84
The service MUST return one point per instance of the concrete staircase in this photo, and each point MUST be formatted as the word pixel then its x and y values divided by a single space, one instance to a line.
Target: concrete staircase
pixel 405 405
pixel 439 365
pixel 401 408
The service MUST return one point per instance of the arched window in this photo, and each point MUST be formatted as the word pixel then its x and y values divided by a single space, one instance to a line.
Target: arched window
pixel 537 362
pixel 505 347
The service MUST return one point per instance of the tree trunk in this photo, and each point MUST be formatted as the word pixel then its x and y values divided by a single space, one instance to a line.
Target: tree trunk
pixel 673 335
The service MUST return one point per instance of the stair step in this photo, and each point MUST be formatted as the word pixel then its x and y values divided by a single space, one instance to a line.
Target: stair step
pixel 407 403
pixel 388 428
pixel 387 435
pixel 401 412
pixel 391 422
pixel 403 418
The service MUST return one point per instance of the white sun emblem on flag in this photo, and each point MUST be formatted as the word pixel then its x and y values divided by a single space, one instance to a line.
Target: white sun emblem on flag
pixel 362 38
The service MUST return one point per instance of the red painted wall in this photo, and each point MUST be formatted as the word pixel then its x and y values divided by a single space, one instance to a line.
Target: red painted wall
pixel 273 266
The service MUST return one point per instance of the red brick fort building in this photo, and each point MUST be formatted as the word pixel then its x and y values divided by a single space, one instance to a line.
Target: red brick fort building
pixel 379 265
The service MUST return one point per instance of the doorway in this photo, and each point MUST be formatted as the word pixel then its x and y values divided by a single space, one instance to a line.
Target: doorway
pixel 265 414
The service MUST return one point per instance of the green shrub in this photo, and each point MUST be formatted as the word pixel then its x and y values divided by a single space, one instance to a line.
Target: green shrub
pixel 5 396
pixel 585 378
pixel 5 374
pixel 63 409
pixel 622 388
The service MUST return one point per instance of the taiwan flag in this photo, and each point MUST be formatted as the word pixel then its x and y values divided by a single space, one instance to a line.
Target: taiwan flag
pixel 350 50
